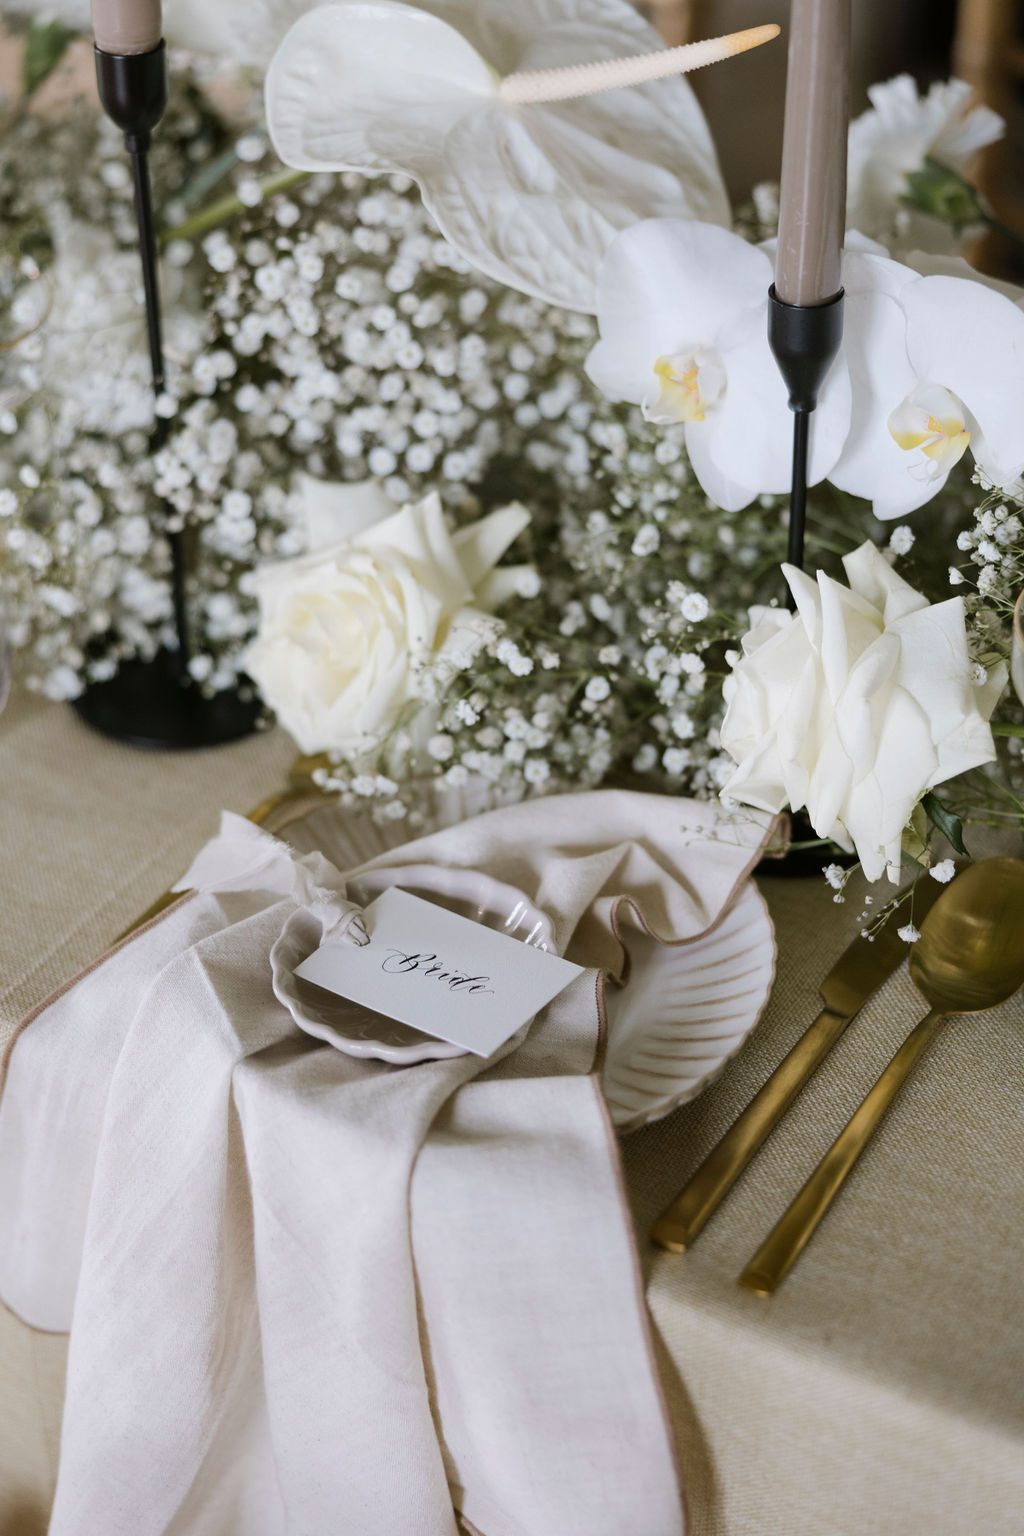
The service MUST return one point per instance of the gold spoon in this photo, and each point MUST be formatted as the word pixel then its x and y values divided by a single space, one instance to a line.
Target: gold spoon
pixel 970 957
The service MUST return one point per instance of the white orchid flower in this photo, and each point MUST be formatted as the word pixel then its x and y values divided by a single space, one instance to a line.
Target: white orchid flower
pixel 937 367
pixel 530 194
pixel 682 309
pixel 894 137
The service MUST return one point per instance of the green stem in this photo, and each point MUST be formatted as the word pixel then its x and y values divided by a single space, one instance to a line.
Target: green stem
pixel 997 225
pixel 227 208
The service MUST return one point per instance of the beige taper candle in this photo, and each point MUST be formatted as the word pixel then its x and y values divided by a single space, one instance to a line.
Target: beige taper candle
pixel 127 26
pixel 812 198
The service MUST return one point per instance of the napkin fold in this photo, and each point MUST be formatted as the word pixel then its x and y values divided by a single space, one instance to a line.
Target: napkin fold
pixel 308 1293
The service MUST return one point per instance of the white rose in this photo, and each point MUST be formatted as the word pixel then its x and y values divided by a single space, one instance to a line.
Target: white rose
pixel 855 706
pixel 346 631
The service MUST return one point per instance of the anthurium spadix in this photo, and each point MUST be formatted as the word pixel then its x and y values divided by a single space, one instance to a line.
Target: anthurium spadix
pixel 682 310
pixel 937 368
pixel 531 193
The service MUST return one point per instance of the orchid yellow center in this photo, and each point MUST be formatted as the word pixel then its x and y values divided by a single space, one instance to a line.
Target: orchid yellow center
pixel 688 383
pixel 931 419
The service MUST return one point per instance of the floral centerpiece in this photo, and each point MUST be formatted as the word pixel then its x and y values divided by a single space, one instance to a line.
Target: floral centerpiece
pixel 366 421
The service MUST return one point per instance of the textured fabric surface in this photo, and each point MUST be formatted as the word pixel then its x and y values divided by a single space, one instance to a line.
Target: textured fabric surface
pixel 880 1393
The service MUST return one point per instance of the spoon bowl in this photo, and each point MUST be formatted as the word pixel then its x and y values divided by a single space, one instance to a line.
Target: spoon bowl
pixel 970 955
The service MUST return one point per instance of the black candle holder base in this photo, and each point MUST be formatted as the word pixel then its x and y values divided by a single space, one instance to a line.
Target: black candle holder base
pixel 148 704
pixel 804 863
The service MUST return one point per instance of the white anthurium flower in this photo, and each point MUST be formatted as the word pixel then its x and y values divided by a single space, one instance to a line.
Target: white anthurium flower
pixel 855 706
pixel 682 310
pixel 937 367
pixel 531 194
pixel 893 138
pixel 350 633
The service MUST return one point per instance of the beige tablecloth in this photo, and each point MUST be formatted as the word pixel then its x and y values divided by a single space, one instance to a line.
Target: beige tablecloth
pixel 880 1393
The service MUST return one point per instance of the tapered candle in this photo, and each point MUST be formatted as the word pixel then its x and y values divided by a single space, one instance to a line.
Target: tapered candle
pixel 812 197
pixel 127 26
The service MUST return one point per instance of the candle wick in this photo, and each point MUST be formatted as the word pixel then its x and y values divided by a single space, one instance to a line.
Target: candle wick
pixel 537 85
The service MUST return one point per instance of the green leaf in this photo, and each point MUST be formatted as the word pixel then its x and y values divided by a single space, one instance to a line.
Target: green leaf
pixel 45 46
pixel 946 821
pixel 945 194
pixel 1003 728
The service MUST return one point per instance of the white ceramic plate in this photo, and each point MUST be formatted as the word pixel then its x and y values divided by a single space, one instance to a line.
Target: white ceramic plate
pixel 685 1011
pixel 359 1031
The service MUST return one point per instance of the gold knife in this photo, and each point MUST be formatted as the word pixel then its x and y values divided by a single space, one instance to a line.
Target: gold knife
pixel 859 971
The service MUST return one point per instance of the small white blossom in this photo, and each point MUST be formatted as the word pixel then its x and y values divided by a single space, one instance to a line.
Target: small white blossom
pixel 646 541
pixel 440 748
pixel 598 689
pixel 901 540
pixel 908 933
pixel 675 759
pixel 695 607
pixel 943 872
pixel 249 192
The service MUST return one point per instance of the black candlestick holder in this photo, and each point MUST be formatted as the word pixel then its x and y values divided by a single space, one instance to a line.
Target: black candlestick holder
pixel 805 341
pixel 156 703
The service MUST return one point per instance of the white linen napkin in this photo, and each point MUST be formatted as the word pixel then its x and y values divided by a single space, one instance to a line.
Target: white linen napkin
pixel 309 1294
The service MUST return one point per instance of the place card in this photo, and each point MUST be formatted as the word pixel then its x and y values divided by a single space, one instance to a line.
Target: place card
pixel 440 973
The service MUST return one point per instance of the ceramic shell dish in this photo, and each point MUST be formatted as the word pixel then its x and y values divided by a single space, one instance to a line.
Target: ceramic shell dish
pixel 358 1031
pixel 684 1013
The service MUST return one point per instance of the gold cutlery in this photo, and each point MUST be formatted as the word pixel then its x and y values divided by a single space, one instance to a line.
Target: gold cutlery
pixel 970 957
pixel 859 972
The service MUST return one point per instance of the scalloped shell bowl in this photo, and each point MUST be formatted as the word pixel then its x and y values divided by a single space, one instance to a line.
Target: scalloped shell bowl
pixel 685 1012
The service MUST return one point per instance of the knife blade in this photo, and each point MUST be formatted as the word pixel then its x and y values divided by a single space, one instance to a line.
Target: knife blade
pixel 860 970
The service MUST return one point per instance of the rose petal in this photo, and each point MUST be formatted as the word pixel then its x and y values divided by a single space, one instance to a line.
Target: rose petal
pixel 481 545
pixel 335 511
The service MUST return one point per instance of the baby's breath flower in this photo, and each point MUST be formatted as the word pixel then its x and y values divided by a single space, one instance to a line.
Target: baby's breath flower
pixel 901 540
pixel 695 607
